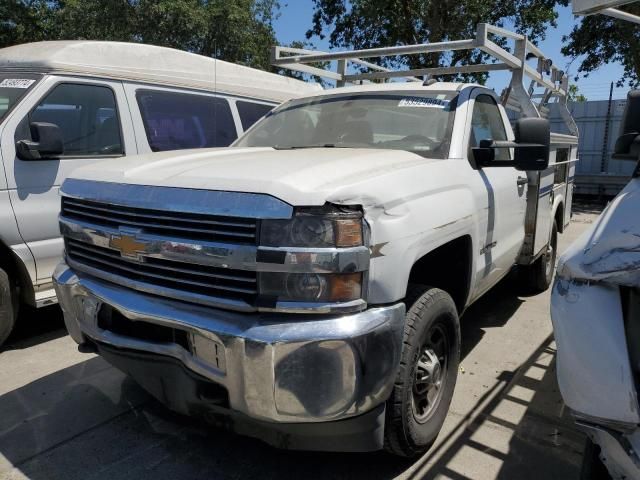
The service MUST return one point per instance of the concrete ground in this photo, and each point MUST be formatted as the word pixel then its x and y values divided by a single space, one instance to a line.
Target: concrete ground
pixel 66 415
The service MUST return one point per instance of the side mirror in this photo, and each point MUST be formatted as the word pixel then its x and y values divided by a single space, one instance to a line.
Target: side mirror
pixel 628 143
pixel 533 142
pixel 532 147
pixel 47 141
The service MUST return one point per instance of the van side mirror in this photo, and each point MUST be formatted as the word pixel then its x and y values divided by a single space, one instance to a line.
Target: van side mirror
pixel 531 147
pixel 47 141
pixel 627 145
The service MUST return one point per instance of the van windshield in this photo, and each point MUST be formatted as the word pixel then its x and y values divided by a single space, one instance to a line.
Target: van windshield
pixel 12 88
pixel 414 121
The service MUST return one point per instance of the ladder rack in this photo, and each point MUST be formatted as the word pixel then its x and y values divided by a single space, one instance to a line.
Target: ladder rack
pixel 515 97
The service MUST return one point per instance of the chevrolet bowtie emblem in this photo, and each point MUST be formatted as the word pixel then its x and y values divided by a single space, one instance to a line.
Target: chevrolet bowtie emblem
pixel 128 246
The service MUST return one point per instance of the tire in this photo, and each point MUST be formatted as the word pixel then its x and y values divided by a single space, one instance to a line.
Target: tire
pixel 592 466
pixel 537 277
pixel 429 363
pixel 8 306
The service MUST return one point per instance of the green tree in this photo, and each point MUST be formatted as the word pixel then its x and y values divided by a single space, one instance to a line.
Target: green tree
pixel 376 23
pixel 600 40
pixel 238 31
pixel 574 94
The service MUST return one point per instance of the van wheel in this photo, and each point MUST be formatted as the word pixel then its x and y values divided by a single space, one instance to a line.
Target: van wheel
pixel 537 277
pixel 8 306
pixel 427 374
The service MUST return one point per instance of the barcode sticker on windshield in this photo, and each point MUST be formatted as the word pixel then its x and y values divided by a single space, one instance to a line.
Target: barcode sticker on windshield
pixel 16 82
pixel 423 102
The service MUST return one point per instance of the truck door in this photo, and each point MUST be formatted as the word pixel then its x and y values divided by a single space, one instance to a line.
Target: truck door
pixel 95 124
pixel 502 198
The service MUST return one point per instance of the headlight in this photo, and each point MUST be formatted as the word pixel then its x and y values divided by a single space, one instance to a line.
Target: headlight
pixel 311 287
pixel 316 235
pixel 325 227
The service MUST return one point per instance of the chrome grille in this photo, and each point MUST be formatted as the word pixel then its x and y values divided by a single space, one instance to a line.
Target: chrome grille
pixel 192 226
pixel 185 277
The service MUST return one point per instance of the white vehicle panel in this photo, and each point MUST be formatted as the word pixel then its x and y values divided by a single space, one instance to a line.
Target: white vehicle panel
pixel 594 373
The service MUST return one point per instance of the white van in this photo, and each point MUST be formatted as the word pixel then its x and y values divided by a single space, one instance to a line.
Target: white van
pixel 71 103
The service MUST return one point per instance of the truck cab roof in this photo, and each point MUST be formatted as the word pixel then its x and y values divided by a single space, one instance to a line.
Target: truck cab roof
pixel 397 87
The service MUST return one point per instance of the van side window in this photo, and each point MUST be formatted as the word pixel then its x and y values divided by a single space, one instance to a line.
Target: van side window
pixel 487 124
pixel 251 112
pixel 175 121
pixel 87 116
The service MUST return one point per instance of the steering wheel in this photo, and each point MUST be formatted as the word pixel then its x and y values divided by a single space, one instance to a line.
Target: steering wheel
pixel 415 138
pixel 113 148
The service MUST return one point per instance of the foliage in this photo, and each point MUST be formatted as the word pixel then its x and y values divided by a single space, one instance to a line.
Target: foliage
pixel 238 31
pixel 375 23
pixel 574 94
pixel 602 40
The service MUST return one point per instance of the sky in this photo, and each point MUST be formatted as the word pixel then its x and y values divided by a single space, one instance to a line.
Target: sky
pixel 296 15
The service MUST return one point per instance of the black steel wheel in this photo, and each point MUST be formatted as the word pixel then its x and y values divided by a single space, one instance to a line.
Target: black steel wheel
pixel 431 373
pixel 537 277
pixel 427 374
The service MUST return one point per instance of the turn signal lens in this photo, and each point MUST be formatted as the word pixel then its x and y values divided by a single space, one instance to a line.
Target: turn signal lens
pixel 348 232
pixel 346 287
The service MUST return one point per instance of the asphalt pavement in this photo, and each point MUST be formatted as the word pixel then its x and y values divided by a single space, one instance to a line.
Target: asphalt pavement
pixel 68 415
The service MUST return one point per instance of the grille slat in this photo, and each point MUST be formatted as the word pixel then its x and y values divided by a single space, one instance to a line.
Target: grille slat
pixel 147 225
pixel 168 266
pixel 190 281
pixel 187 226
pixel 145 213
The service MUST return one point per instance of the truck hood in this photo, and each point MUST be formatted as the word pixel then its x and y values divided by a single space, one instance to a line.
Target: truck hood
pixel 609 251
pixel 299 177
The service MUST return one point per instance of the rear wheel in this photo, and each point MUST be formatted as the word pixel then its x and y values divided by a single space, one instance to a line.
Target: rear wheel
pixel 427 375
pixel 537 277
pixel 8 306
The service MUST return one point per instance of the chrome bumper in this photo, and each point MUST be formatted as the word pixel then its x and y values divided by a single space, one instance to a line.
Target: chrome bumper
pixel 275 368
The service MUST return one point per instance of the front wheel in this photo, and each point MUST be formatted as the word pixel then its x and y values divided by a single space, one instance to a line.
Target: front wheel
pixel 537 277
pixel 427 374
pixel 8 306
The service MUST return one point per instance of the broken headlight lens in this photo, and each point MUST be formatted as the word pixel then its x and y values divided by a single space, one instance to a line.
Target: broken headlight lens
pixel 325 227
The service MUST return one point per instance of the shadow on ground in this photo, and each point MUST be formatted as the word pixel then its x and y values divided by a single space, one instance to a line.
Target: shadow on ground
pixel 537 440
pixel 89 421
pixel 34 327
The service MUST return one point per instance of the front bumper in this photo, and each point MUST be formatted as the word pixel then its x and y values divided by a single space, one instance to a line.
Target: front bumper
pixel 275 368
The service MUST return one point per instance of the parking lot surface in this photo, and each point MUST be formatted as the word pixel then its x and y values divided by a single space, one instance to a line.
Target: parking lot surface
pixel 67 415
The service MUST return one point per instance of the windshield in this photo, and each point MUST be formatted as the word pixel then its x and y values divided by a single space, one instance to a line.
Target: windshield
pixel 12 88
pixel 416 122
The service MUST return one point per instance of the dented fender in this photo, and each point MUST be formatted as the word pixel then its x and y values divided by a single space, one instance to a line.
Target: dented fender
pixel 609 252
pixel 430 210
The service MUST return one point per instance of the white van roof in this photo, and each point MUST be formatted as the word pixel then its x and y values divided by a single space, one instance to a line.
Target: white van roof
pixel 151 64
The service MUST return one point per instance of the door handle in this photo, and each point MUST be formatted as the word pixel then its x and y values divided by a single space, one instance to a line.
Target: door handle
pixel 522 181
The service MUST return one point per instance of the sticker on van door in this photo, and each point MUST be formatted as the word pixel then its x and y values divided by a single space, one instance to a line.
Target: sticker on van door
pixel 17 82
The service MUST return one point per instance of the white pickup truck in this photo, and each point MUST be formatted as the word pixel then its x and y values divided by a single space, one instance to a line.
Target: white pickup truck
pixel 305 285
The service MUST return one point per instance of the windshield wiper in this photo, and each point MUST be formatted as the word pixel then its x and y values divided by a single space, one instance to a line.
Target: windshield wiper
pixel 301 147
